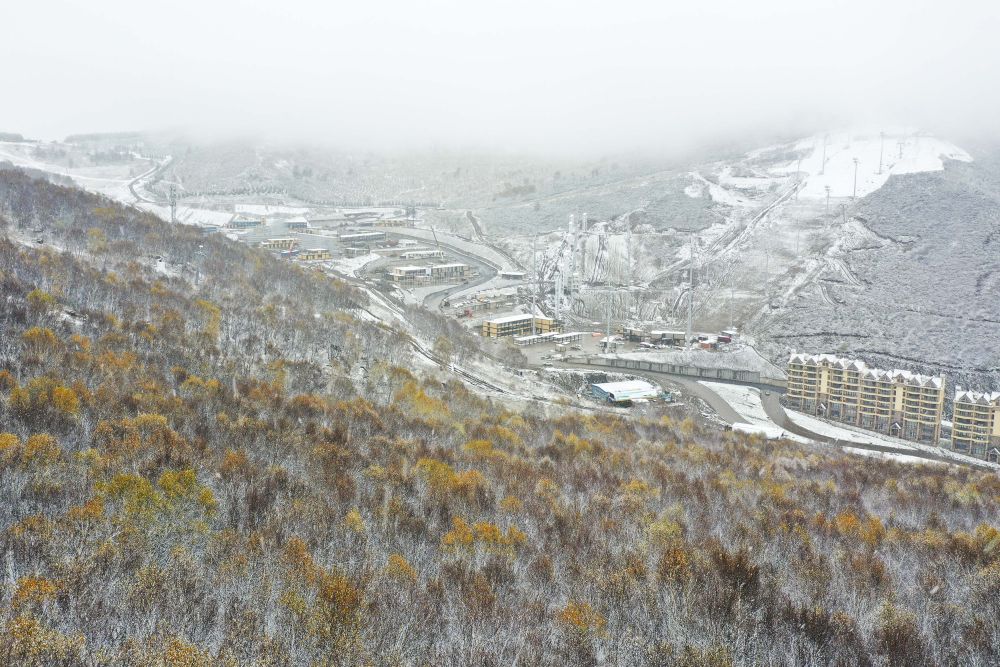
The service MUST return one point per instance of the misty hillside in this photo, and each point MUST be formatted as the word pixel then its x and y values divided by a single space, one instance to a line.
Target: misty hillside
pixel 928 278
pixel 195 470
pixel 509 193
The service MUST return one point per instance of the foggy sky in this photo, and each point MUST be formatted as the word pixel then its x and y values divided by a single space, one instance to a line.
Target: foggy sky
pixel 578 76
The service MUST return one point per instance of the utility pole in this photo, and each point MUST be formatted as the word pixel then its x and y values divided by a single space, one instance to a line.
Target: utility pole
pixel 199 255
pixel 827 187
pixel 767 261
pixel 534 281
pixel 572 252
pixel 173 203
pixel 731 294
pixel 690 322
pixel 843 212
pixel 628 253
pixel 854 194
pixel 822 169
pixel 558 294
pixel 881 148
pixel 607 312
pixel 900 145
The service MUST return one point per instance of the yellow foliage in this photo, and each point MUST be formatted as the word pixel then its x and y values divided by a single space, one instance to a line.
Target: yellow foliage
pixel 41 447
pixel 92 510
pixel 65 400
pixel 419 402
pixel 872 532
pixel 581 617
pixel 511 504
pixel 300 561
pixel 177 484
pixel 24 641
pixel 354 522
pixel 40 339
pixel 399 568
pixel 664 531
pixel 179 653
pixel 33 591
pixel 443 480
pixel 459 537
pixel 41 301
pixel 547 489
pixel 10 447
pixel 338 607
pixel 847 524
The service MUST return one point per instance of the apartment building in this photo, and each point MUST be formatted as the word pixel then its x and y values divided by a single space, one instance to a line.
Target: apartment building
pixel 280 244
pixel 518 325
pixel 408 276
pixel 894 402
pixel 975 426
pixel 312 254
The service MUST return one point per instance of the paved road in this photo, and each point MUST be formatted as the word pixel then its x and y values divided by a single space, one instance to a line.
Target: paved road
pixel 689 384
pixel 770 400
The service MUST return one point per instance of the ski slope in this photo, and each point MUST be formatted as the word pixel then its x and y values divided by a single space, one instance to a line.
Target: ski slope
pixel 901 153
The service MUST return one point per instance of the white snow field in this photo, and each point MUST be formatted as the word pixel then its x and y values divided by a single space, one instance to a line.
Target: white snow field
pixel 889 456
pixel 902 153
pixel 746 402
pixel 848 433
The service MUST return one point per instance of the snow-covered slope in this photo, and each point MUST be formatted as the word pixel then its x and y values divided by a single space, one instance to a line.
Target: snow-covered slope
pixel 901 153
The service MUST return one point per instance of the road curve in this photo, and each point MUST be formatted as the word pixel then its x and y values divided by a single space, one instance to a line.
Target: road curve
pixel 775 412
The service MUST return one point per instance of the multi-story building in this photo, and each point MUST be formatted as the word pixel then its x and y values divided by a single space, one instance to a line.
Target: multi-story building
pixel 518 325
pixel 975 424
pixel 280 244
pixel 895 402
pixel 429 253
pixel 354 238
pixel 242 221
pixel 311 254
pixel 407 276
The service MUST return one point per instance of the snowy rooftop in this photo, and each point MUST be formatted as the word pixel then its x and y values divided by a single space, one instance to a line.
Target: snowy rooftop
pixel 511 318
pixel 982 398
pixel 894 375
pixel 628 388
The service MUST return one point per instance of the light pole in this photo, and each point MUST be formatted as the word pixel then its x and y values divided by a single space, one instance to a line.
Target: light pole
pixel 881 147
pixel 822 168
pixel 827 188
pixel 199 255
pixel 854 194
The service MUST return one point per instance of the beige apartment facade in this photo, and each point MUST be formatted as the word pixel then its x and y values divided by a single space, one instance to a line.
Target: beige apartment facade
pixel 975 423
pixel 518 325
pixel 894 402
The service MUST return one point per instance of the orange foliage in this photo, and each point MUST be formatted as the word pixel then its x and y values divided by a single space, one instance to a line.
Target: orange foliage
pixel 582 618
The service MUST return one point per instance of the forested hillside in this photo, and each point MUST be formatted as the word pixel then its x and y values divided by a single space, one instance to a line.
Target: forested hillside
pixel 208 458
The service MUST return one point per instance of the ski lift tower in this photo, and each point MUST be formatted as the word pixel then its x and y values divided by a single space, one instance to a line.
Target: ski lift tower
pixel 173 203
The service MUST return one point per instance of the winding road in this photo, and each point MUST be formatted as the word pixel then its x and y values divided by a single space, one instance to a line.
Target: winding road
pixel 770 401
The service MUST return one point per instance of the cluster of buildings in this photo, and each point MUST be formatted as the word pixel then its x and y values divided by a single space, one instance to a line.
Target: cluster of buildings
pixel 662 337
pixel 289 249
pixel 243 220
pixel 895 402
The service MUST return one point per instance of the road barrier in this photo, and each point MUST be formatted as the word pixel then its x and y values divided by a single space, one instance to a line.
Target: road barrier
pixel 729 374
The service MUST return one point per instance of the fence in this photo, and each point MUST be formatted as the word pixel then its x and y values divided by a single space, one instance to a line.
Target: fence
pixel 677 369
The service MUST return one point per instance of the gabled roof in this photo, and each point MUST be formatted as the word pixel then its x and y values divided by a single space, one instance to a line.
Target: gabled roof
pixel 844 363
